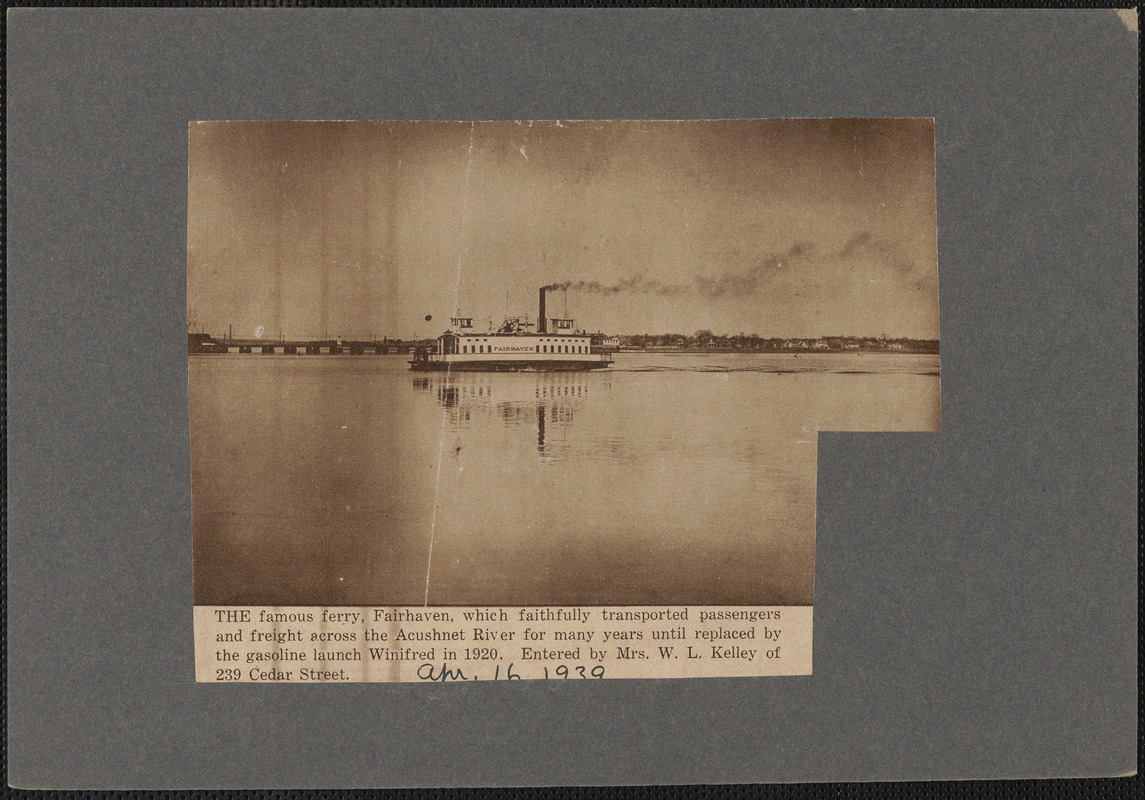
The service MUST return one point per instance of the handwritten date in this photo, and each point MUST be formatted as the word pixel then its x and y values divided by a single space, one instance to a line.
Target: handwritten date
pixel 445 673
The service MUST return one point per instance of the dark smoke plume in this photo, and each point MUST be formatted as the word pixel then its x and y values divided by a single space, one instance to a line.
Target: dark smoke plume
pixel 729 284
pixel 637 285
pixel 889 254
pixel 856 242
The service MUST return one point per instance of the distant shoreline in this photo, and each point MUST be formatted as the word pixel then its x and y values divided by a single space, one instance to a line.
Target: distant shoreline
pixel 660 351
pixel 204 343
pixel 770 351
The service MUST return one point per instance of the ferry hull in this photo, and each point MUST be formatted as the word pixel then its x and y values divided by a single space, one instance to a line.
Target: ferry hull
pixel 555 347
pixel 507 366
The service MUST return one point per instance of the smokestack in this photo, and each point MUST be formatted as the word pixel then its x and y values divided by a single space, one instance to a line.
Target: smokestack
pixel 542 323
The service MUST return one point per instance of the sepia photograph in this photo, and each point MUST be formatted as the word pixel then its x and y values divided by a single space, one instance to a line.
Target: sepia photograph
pixel 544 362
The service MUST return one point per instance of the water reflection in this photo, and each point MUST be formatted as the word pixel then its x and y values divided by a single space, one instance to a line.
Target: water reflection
pixel 547 403
pixel 667 480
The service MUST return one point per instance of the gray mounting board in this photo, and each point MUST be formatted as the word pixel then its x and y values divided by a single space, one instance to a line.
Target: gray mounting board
pixel 976 594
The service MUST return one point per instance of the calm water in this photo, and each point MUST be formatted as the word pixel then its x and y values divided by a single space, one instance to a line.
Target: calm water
pixel 665 479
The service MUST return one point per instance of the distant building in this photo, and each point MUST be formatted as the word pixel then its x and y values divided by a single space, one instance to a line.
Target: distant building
pixel 202 343
pixel 605 344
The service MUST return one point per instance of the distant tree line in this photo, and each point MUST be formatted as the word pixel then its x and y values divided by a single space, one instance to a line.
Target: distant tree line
pixel 706 340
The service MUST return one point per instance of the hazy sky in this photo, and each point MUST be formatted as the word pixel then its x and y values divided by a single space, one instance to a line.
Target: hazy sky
pixel 773 227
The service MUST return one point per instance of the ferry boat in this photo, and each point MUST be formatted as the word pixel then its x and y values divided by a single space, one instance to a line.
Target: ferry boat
pixel 555 345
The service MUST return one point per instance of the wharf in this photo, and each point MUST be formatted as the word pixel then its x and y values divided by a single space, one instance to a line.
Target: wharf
pixel 205 344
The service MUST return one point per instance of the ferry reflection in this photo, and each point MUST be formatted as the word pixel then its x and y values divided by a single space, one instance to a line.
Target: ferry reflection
pixel 548 402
